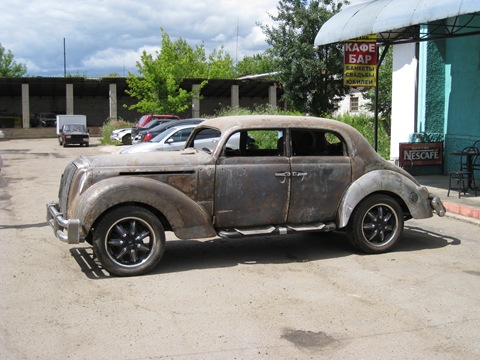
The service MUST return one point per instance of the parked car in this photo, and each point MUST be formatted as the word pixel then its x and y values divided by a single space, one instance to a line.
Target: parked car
pixel 175 138
pixel 148 134
pixel 47 119
pixel 74 134
pixel 288 174
pixel 122 135
pixel 148 121
pixel 171 139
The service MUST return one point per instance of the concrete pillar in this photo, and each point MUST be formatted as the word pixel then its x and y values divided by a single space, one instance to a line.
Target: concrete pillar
pixel 195 101
pixel 69 90
pixel 235 96
pixel 25 106
pixel 272 96
pixel 112 96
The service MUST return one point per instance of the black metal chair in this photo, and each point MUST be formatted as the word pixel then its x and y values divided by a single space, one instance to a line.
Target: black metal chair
pixel 464 179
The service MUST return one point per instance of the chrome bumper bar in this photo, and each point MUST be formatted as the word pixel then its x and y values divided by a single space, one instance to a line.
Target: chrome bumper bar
pixel 65 230
pixel 437 205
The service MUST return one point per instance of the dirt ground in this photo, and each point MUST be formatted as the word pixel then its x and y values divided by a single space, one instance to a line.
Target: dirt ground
pixel 281 297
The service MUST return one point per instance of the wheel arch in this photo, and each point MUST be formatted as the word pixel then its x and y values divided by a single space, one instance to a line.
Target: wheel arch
pixel 412 198
pixel 175 210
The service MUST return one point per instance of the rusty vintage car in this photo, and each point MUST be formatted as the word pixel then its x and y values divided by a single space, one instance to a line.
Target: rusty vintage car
pixel 266 175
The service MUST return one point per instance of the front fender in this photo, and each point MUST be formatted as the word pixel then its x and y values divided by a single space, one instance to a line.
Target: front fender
pixel 186 217
pixel 414 196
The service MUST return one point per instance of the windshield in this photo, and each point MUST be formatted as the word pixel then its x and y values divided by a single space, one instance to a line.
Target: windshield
pixel 79 128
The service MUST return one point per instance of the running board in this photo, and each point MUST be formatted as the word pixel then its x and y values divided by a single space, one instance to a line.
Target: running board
pixel 277 230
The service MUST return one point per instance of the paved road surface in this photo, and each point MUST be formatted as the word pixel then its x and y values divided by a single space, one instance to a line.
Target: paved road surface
pixel 294 297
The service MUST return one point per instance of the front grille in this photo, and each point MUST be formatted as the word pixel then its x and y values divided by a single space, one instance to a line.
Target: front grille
pixel 77 138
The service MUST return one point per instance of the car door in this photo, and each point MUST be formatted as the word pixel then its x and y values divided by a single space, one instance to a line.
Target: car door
pixel 252 183
pixel 321 173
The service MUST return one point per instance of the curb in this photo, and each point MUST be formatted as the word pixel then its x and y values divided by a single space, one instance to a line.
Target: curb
pixel 465 213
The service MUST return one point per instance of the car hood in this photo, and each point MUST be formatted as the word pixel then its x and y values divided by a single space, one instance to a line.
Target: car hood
pixel 147 162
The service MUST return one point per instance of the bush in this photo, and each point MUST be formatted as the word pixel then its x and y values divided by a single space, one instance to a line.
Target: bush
pixel 365 125
pixel 109 126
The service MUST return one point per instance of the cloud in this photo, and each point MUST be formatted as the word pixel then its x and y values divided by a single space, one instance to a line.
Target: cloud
pixel 105 36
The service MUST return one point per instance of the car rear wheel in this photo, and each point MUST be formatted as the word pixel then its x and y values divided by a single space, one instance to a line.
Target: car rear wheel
pixel 129 241
pixel 376 224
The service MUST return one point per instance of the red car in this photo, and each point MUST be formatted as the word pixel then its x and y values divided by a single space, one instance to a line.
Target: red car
pixel 146 120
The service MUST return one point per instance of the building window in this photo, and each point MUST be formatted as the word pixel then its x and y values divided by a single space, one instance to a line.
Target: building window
pixel 353 103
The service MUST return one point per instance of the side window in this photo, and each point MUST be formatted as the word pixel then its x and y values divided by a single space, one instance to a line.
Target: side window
pixel 316 143
pixel 181 135
pixel 268 142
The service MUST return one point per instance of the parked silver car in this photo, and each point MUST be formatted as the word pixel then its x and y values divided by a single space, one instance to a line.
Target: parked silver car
pixel 288 174
pixel 171 139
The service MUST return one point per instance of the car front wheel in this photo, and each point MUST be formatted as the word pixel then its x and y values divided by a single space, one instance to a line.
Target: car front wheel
pixel 127 139
pixel 376 224
pixel 129 241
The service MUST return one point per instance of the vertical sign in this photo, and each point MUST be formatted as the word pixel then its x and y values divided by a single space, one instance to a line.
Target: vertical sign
pixel 361 61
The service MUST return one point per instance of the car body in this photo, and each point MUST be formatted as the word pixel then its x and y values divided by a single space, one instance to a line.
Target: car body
pixel 148 134
pixel 281 175
pixel 74 134
pixel 123 135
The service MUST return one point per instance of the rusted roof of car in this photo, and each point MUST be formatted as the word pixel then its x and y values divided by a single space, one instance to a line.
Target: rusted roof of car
pixel 268 121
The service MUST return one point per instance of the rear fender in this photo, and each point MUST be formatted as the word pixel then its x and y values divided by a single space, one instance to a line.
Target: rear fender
pixel 187 218
pixel 414 196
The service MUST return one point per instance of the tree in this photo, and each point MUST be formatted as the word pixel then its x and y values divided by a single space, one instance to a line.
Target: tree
pixel 311 78
pixel 8 66
pixel 157 87
pixel 384 91
pixel 261 63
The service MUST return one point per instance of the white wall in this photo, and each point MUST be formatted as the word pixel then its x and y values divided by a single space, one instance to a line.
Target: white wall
pixel 404 79
pixel 344 104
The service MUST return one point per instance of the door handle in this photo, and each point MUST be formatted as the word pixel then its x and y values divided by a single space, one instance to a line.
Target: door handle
pixel 299 173
pixel 283 174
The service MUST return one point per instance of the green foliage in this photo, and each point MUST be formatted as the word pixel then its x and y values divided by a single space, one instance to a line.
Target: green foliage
pixel 259 109
pixel 8 66
pixel 365 125
pixel 311 79
pixel 158 86
pixel 109 126
pixel 264 139
pixel 261 63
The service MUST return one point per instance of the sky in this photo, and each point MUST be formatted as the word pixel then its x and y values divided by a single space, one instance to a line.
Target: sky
pixel 102 37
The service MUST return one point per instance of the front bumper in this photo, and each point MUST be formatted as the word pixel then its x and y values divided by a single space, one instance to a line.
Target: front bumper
pixel 65 230
pixel 437 205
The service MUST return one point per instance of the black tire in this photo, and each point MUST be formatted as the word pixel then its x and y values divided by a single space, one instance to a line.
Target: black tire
pixel 376 224
pixel 129 241
pixel 127 139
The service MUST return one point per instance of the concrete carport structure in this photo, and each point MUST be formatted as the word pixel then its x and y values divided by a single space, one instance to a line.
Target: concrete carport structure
pixel 436 67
